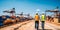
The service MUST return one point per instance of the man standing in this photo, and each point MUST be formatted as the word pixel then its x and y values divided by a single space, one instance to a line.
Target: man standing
pixel 43 20
pixel 37 21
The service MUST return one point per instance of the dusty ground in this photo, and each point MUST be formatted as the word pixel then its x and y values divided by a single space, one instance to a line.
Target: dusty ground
pixel 29 25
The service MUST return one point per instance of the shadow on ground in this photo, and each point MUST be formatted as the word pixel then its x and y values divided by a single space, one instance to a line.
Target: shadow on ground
pixel 58 29
pixel 45 29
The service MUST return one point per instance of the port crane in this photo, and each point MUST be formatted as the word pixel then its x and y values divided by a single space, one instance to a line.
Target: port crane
pixel 56 13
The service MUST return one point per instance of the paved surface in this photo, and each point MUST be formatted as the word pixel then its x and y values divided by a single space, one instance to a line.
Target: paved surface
pixel 29 25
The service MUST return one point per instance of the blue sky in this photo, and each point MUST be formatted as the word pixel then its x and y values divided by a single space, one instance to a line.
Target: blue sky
pixel 28 6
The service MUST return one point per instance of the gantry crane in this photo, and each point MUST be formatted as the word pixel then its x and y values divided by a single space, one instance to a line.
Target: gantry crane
pixel 56 13
pixel 12 11
pixel 25 16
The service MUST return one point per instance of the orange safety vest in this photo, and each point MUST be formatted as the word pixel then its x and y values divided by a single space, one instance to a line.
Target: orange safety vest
pixel 37 17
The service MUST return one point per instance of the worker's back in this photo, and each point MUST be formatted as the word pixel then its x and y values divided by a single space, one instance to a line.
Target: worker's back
pixel 43 18
pixel 37 17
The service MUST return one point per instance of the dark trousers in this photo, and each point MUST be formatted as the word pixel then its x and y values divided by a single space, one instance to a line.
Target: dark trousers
pixel 37 24
pixel 43 22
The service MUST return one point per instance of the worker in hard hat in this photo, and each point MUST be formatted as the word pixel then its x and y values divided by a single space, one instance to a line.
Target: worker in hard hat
pixel 43 20
pixel 37 21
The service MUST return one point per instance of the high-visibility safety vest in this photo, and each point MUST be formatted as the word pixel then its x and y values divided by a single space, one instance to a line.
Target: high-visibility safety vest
pixel 43 18
pixel 37 17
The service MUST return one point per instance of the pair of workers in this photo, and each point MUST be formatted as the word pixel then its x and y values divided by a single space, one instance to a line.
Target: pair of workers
pixel 42 19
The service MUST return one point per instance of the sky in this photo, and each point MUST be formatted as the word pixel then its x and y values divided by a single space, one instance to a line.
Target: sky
pixel 28 6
